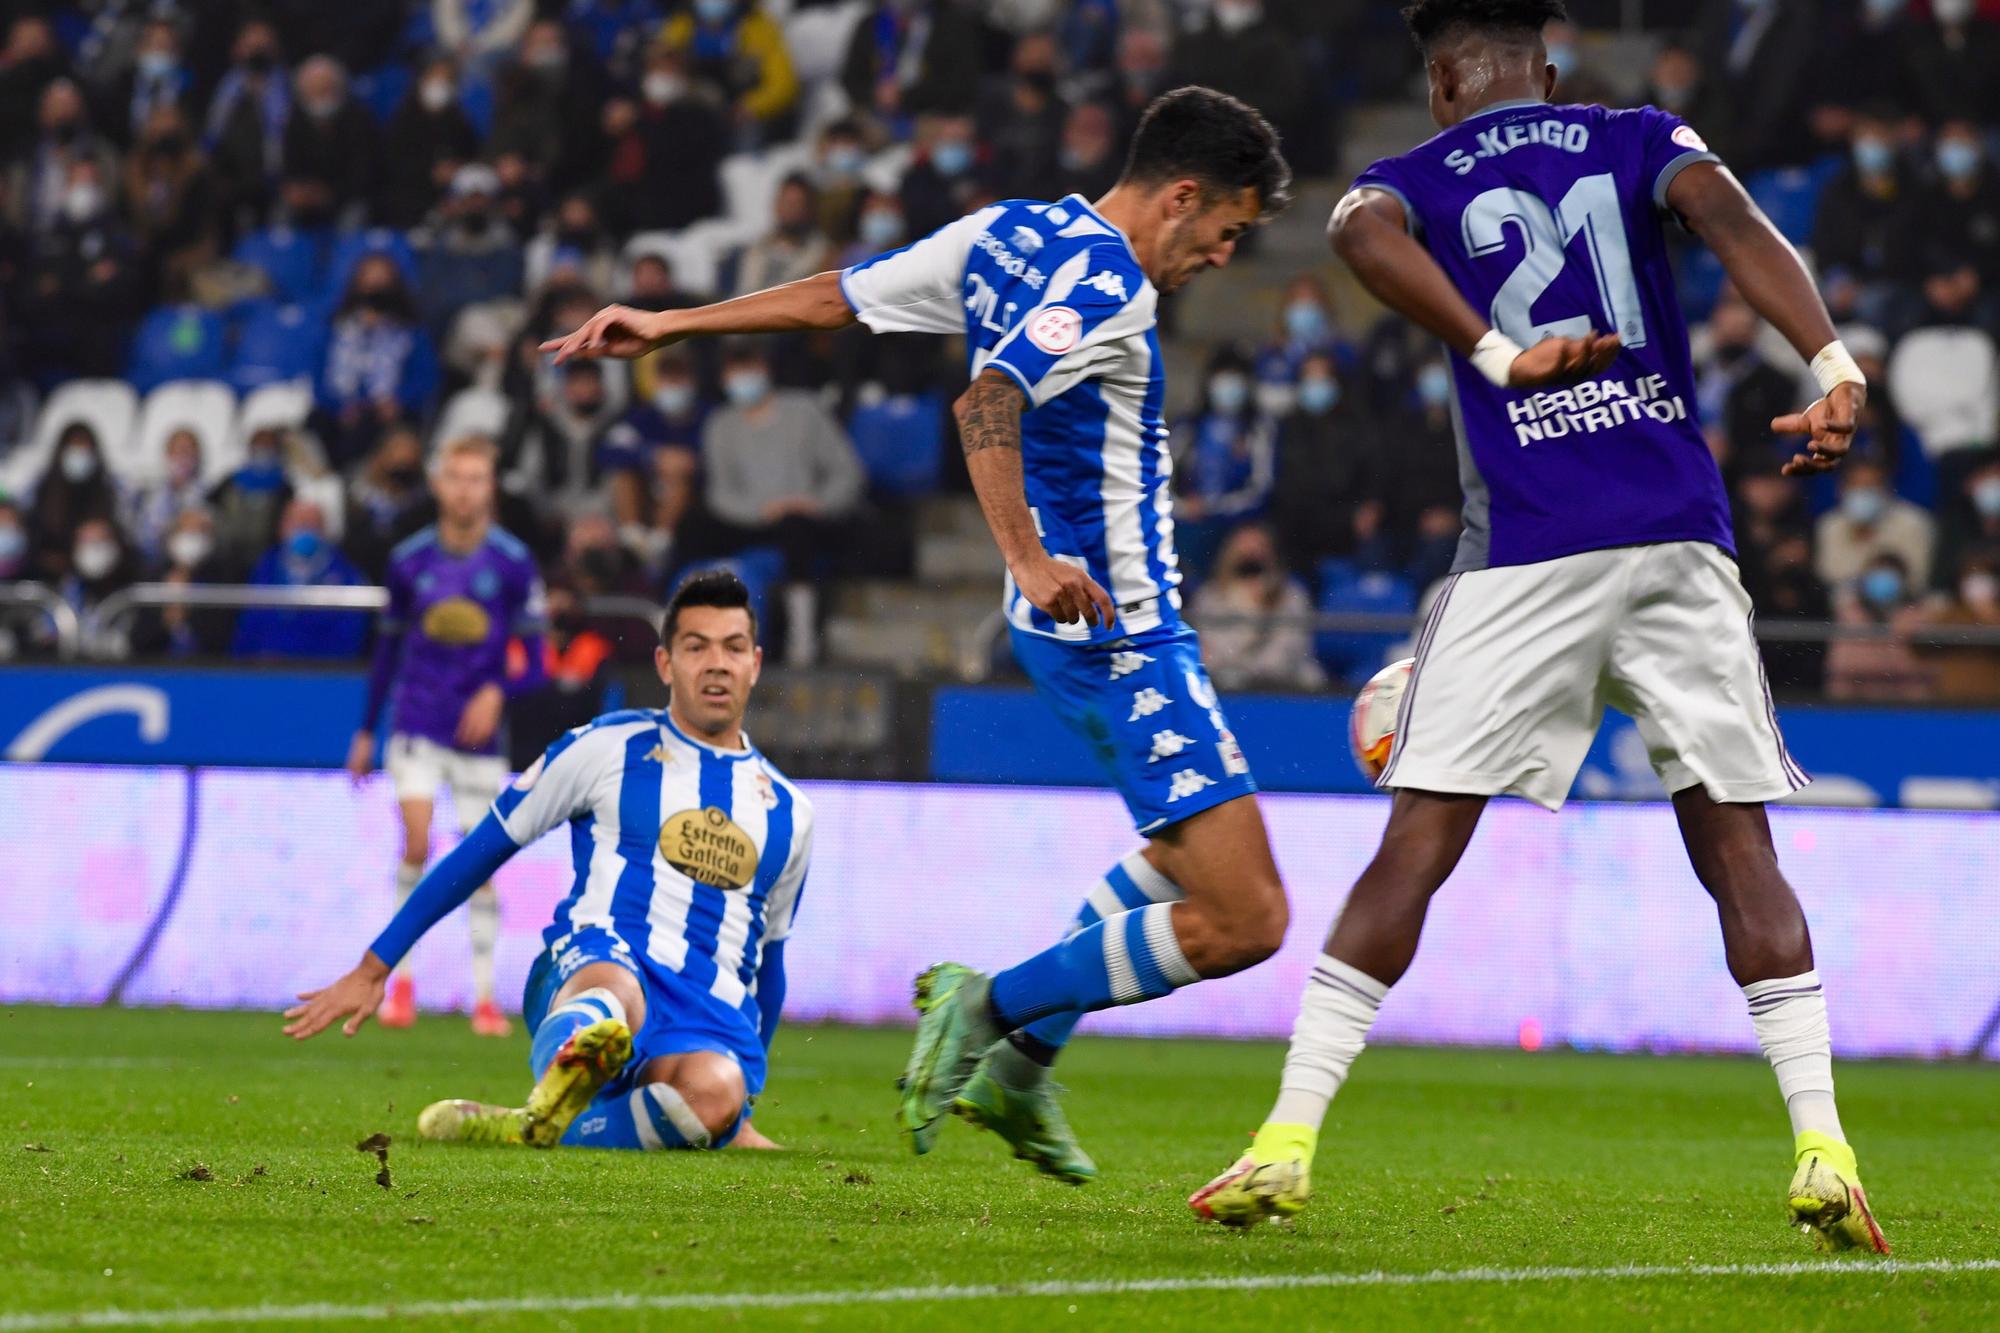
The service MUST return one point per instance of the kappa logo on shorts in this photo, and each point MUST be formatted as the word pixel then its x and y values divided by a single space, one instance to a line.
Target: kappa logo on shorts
pixel 1167 744
pixel 1187 782
pixel 1056 329
pixel 1124 664
pixel 1146 703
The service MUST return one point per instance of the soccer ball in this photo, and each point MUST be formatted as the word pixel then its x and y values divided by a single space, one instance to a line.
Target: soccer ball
pixel 1371 725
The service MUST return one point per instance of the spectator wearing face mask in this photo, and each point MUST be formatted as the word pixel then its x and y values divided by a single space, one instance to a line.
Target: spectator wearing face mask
pixel 1223 461
pixel 158 79
pixel 794 248
pixel 1327 470
pixel 1674 81
pixel 387 485
pixel 738 50
pixel 1418 482
pixel 1305 329
pixel 1966 673
pixel 1869 215
pixel 244 133
pixel 1778 575
pixel 1255 619
pixel 381 366
pixel 303 558
pixel 84 286
pixel 1576 82
pixel 248 503
pixel 1877 668
pixel 1953 64
pixel 1020 117
pixel 76 490
pixel 839 158
pixel 150 507
pixel 187 556
pixel 1961 209
pixel 878 227
pixel 331 147
pixel 553 442
pixel 669 132
pixel 907 58
pixel 466 253
pixel 668 420
pixel 429 138
pixel 944 178
pixel 1738 390
pixel 1087 159
pixel 64 136
pixel 99 564
pixel 1945 373
pixel 573 246
pixel 1870 520
pixel 550 110
pixel 1970 516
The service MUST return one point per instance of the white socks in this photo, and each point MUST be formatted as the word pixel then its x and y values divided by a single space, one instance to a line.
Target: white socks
pixel 483 912
pixel 1334 1017
pixel 407 876
pixel 1789 1014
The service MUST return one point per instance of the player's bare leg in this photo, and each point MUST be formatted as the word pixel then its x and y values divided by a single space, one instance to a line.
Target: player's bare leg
pixel 1769 951
pixel 1370 948
pixel 1226 912
pixel 399 1007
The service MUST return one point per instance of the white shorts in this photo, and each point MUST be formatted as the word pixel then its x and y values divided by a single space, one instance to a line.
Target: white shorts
pixel 419 766
pixel 1515 666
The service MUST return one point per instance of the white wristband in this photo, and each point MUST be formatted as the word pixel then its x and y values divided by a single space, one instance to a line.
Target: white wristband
pixel 1493 356
pixel 1834 366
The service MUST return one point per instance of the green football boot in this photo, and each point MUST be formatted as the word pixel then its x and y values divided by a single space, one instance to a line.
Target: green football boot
pixel 952 1035
pixel 1031 1120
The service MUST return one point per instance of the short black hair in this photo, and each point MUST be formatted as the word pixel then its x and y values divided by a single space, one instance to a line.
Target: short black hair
pixel 722 588
pixel 1433 20
pixel 1216 140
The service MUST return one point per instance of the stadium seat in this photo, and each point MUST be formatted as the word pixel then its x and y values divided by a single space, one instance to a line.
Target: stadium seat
pixel 1355 655
pixel 760 568
pixel 901 442
pixel 178 342
pixel 695 254
pixel 294 260
pixel 352 247
pixel 106 406
pixel 817 39
pixel 206 407
pixel 750 183
pixel 474 411
pixel 276 343
pixel 1790 195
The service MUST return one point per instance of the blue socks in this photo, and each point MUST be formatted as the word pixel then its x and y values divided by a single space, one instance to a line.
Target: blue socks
pixel 1122 960
pixel 579 1011
pixel 651 1118
pixel 1126 887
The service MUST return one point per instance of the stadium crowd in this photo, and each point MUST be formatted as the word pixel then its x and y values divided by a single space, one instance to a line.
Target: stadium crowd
pixel 258 259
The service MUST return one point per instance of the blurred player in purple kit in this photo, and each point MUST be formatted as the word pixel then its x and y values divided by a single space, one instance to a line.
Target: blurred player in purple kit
pixel 1596 564
pixel 458 592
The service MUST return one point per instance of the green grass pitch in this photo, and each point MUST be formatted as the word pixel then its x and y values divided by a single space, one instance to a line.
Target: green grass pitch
pixel 169 1161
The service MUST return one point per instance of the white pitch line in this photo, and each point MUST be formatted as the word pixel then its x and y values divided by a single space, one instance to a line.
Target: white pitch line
pixel 782 1300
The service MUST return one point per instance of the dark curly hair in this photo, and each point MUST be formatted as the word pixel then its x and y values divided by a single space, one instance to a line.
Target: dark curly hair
pixel 1212 138
pixel 1432 20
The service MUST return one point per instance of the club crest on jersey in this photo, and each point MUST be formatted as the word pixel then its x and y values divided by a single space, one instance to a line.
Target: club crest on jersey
pixel 1056 329
pixel 1685 136
pixel 458 620
pixel 707 846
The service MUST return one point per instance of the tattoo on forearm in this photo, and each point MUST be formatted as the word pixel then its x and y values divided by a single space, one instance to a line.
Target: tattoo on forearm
pixel 989 415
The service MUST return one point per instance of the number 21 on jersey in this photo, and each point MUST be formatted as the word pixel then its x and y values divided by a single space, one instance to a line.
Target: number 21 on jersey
pixel 1589 210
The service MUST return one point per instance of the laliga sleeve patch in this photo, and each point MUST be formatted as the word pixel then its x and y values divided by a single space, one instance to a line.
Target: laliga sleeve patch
pixel 526 782
pixel 1685 136
pixel 1055 330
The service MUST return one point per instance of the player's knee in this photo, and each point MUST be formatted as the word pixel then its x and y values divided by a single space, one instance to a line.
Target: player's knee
pixel 1238 932
pixel 712 1086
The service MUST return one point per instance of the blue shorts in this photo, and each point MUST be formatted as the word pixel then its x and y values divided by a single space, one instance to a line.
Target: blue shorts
pixel 679 1018
pixel 1148 712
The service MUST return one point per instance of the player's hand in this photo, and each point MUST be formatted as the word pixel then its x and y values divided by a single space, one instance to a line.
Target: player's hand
pixel 748 1137
pixel 1563 360
pixel 361 756
pixel 1064 591
pixel 1830 425
pixel 616 330
pixel 354 997
pixel 481 717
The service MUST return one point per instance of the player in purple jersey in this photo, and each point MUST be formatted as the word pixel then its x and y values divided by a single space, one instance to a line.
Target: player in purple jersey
pixel 458 592
pixel 1595 564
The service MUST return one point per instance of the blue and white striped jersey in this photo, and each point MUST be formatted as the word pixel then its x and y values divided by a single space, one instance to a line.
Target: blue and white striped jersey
pixel 693 855
pixel 1052 295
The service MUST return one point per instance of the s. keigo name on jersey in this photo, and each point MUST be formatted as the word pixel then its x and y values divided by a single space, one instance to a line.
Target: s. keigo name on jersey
pixel 1550 220
pixel 1051 295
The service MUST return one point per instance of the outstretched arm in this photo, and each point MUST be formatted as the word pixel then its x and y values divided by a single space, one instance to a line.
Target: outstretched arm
pixel 989 428
pixel 621 331
pixel 1774 280
pixel 1371 235
pixel 451 881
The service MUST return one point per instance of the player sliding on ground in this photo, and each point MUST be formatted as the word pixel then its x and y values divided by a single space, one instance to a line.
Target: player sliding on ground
pixel 1065 441
pixel 654 1004
pixel 1595 564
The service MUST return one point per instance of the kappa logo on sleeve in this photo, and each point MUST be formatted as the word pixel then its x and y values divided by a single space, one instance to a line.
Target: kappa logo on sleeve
pixel 1685 136
pixel 1056 329
pixel 1111 284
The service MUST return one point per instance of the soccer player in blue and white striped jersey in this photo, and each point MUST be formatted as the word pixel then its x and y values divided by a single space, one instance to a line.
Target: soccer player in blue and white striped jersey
pixel 656 997
pixel 1067 448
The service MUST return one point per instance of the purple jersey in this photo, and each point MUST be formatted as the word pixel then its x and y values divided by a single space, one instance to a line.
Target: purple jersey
pixel 445 632
pixel 1550 220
